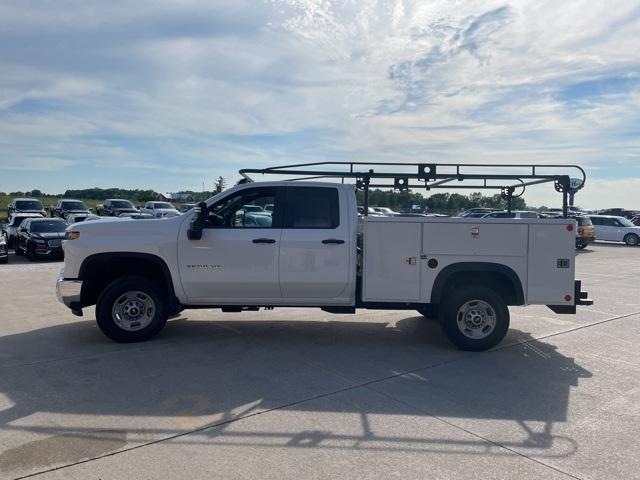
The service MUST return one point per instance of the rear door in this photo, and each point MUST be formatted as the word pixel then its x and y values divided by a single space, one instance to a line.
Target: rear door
pixel 316 245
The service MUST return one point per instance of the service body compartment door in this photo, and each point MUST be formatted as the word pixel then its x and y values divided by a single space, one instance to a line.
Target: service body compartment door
pixel 391 270
pixel 551 264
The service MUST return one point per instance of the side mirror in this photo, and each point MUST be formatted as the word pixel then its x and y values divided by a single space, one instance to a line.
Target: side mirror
pixel 197 222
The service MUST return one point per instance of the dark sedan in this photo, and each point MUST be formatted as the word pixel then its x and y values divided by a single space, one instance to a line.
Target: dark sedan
pixel 41 238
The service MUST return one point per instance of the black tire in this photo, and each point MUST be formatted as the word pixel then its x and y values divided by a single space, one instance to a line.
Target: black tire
pixel 31 255
pixel 17 250
pixel 429 311
pixel 496 309
pixel 4 260
pixel 581 245
pixel 106 303
pixel 631 239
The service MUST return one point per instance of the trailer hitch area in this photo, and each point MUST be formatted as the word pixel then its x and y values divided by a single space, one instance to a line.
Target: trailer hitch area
pixel 582 298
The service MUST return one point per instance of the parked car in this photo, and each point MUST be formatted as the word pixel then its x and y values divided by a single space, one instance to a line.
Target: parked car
pixel 468 212
pixel 385 211
pixel 185 207
pixel 586 233
pixel 636 220
pixel 10 230
pixel 41 237
pixel 113 207
pixel 159 209
pixel 65 206
pixel 619 212
pixel 79 217
pixel 136 215
pixel 26 205
pixel 615 229
pixel 4 250
pixel 513 214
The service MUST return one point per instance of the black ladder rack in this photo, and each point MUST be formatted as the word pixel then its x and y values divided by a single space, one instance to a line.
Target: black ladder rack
pixel 510 179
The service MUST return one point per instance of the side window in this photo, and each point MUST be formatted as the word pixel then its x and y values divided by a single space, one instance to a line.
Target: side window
pixel 248 208
pixel 312 207
pixel 596 221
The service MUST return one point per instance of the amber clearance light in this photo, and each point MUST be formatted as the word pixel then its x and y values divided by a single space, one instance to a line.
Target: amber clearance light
pixel 72 235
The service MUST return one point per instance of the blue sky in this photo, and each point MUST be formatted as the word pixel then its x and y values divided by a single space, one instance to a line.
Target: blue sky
pixel 166 95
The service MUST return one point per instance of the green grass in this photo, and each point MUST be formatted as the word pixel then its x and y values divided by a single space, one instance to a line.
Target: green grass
pixel 46 201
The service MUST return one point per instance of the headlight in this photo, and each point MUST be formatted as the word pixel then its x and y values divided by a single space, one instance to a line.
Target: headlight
pixel 38 240
pixel 72 235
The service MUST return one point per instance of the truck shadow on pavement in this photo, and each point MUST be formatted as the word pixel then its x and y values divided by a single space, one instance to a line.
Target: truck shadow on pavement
pixel 333 382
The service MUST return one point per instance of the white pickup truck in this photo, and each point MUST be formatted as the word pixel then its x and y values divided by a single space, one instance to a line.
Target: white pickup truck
pixel 312 249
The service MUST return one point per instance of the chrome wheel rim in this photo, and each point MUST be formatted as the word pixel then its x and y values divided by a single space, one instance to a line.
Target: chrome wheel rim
pixel 632 240
pixel 476 319
pixel 133 311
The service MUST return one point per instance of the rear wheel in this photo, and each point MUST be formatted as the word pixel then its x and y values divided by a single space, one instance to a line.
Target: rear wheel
pixel 131 309
pixel 474 318
pixel 580 244
pixel 631 239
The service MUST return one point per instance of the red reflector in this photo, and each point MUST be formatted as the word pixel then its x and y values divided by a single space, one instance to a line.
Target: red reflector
pixel 567 298
pixel 569 228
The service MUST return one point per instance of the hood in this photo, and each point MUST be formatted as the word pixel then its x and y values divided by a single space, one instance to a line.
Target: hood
pixel 125 210
pixel 29 210
pixel 48 235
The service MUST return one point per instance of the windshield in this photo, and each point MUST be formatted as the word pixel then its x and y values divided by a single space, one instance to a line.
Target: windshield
pixel 28 205
pixel 162 205
pixel 48 226
pixel 625 222
pixel 18 220
pixel 75 205
pixel 121 204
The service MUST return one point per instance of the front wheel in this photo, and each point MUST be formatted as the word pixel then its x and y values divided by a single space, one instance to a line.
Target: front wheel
pixel 474 318
pixel 131 309
pixel 631 239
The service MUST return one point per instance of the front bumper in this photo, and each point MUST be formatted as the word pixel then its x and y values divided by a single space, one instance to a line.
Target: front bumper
pixel 69 292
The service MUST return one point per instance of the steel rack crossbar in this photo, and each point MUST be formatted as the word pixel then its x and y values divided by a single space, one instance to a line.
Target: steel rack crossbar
pixel 510 179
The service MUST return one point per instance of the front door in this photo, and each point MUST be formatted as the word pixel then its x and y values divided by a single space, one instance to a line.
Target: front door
pixel 236 260
pixel 316 248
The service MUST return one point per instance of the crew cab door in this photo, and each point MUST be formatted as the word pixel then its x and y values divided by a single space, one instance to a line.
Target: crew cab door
pixel 236 260
pixel 316 246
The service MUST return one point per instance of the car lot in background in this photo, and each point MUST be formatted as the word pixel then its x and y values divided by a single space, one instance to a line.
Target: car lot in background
pixel 159 209
pixel 185 207
pixel 513 214
pixel 136 215
pixel 26 205
pixel 78 217
pixel 4 249
pixel 615 229
pixel 312 394
pixel 10 230
pixel 478 210
pixel 114 207
pixel 385 211
pixel 66 206
pixel 41 238
pixel 586 233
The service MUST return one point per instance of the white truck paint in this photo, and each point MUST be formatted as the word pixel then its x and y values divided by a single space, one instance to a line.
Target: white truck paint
pixel 403 262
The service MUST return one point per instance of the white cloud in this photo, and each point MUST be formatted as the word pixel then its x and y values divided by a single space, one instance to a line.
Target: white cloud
pixel 196 87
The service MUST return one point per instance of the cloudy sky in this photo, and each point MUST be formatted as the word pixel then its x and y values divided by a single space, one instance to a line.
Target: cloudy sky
pixel 165 94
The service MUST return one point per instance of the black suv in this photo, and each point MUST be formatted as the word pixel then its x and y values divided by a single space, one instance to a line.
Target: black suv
pixel 66 206
pixel 40 237
pixel 26 205
pixel 114 207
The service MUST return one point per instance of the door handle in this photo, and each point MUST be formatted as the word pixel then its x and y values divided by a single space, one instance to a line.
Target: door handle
pixel 332 240
pixel 263 240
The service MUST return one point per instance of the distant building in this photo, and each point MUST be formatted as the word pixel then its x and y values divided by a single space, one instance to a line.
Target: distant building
pixel 175 197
